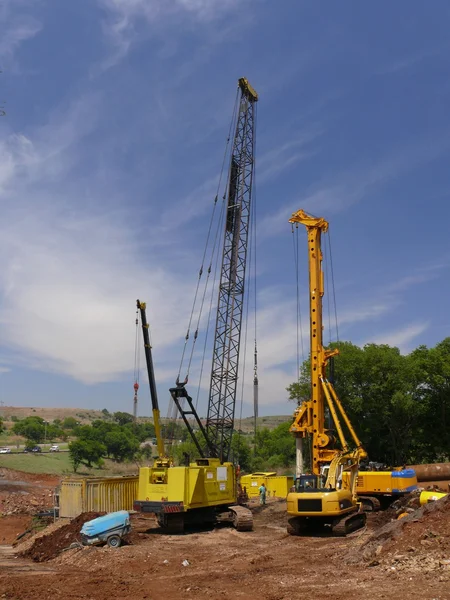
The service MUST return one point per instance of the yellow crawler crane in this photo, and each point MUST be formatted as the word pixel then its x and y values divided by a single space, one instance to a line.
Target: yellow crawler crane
pixel 316 501
pixel 207 489
pixel 203 492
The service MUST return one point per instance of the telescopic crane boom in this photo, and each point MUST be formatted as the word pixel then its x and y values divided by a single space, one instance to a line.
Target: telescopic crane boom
pixel 151 379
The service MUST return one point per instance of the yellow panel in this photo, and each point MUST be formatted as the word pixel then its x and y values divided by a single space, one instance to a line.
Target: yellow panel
pixel 196 487
pixel 70 498
pixel 277 485
pixel 97 494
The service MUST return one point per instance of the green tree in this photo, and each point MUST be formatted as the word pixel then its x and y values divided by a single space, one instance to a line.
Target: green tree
pixel 2 427
pixel 174 431
pixel 274 449
pixel 186 452
pixel 398 404
pixel 69 423
pixel 121 446
pixel 142 431
pixel 431 368
pixel 241 452
pixel 122 418
pixel 32 428
pixel 86 452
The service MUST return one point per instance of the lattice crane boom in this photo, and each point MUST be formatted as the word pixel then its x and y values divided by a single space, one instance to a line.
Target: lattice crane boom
pixel 225 360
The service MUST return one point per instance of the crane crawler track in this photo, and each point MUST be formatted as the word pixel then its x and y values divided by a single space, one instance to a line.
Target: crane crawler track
pixel 242 518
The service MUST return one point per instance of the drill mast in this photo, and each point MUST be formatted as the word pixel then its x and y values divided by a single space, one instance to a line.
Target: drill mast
pixel 309 418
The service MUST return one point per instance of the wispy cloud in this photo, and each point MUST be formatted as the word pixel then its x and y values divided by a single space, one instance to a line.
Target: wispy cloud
pixel 343 190
pixel 402 338
pixel 16 29
pixel 124 15
pixel 280 158
pixel 387 298
pixel 406 62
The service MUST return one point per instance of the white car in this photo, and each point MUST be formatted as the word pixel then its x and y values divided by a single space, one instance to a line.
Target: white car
pixel 5 450
pixel 54 448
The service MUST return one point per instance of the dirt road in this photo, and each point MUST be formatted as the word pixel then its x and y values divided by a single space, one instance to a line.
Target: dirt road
pixel 266 563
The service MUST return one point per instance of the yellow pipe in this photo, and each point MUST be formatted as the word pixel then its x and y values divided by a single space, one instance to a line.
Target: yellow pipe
pixel 362 452
pixel 426 497
pixel 335 417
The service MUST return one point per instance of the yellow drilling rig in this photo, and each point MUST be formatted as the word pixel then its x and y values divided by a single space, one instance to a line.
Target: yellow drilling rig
pixel 335 492
pixel 327 496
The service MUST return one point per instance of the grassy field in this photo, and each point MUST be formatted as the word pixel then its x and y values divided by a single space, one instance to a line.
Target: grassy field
pixel 59 464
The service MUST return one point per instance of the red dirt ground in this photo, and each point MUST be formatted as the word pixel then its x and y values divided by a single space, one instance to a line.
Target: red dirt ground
pixel 25 493
pixel 223 563
pixel 13 526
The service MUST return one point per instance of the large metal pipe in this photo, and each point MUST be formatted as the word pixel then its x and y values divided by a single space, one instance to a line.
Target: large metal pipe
pixel 298 456
pixel 433 472
pixel 443 485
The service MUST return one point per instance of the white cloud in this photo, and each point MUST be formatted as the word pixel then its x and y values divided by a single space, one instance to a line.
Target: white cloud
pixel 72 269
pixel 401 338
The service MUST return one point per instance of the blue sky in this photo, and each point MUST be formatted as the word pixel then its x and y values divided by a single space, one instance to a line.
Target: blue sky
pixel 117 114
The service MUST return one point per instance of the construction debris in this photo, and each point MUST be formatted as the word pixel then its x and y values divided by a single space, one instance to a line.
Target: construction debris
pixel 420 541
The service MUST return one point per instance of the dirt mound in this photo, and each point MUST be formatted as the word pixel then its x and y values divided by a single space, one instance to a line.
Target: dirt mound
pixel 408 503
pixel 420 540
pixel 49 546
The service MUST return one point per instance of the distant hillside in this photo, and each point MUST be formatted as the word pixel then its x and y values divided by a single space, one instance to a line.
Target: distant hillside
pixel 83 415
pixel 86 415
pixel 269 422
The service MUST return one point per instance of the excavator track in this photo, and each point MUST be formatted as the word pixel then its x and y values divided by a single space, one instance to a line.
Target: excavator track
pixel 242 518
pixel 350 523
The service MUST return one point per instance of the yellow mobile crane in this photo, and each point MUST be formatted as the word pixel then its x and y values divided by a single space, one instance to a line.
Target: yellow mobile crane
pixel 317 500
pixel 207 490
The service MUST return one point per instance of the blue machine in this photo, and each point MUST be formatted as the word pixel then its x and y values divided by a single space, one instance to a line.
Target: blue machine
pixel 108 529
